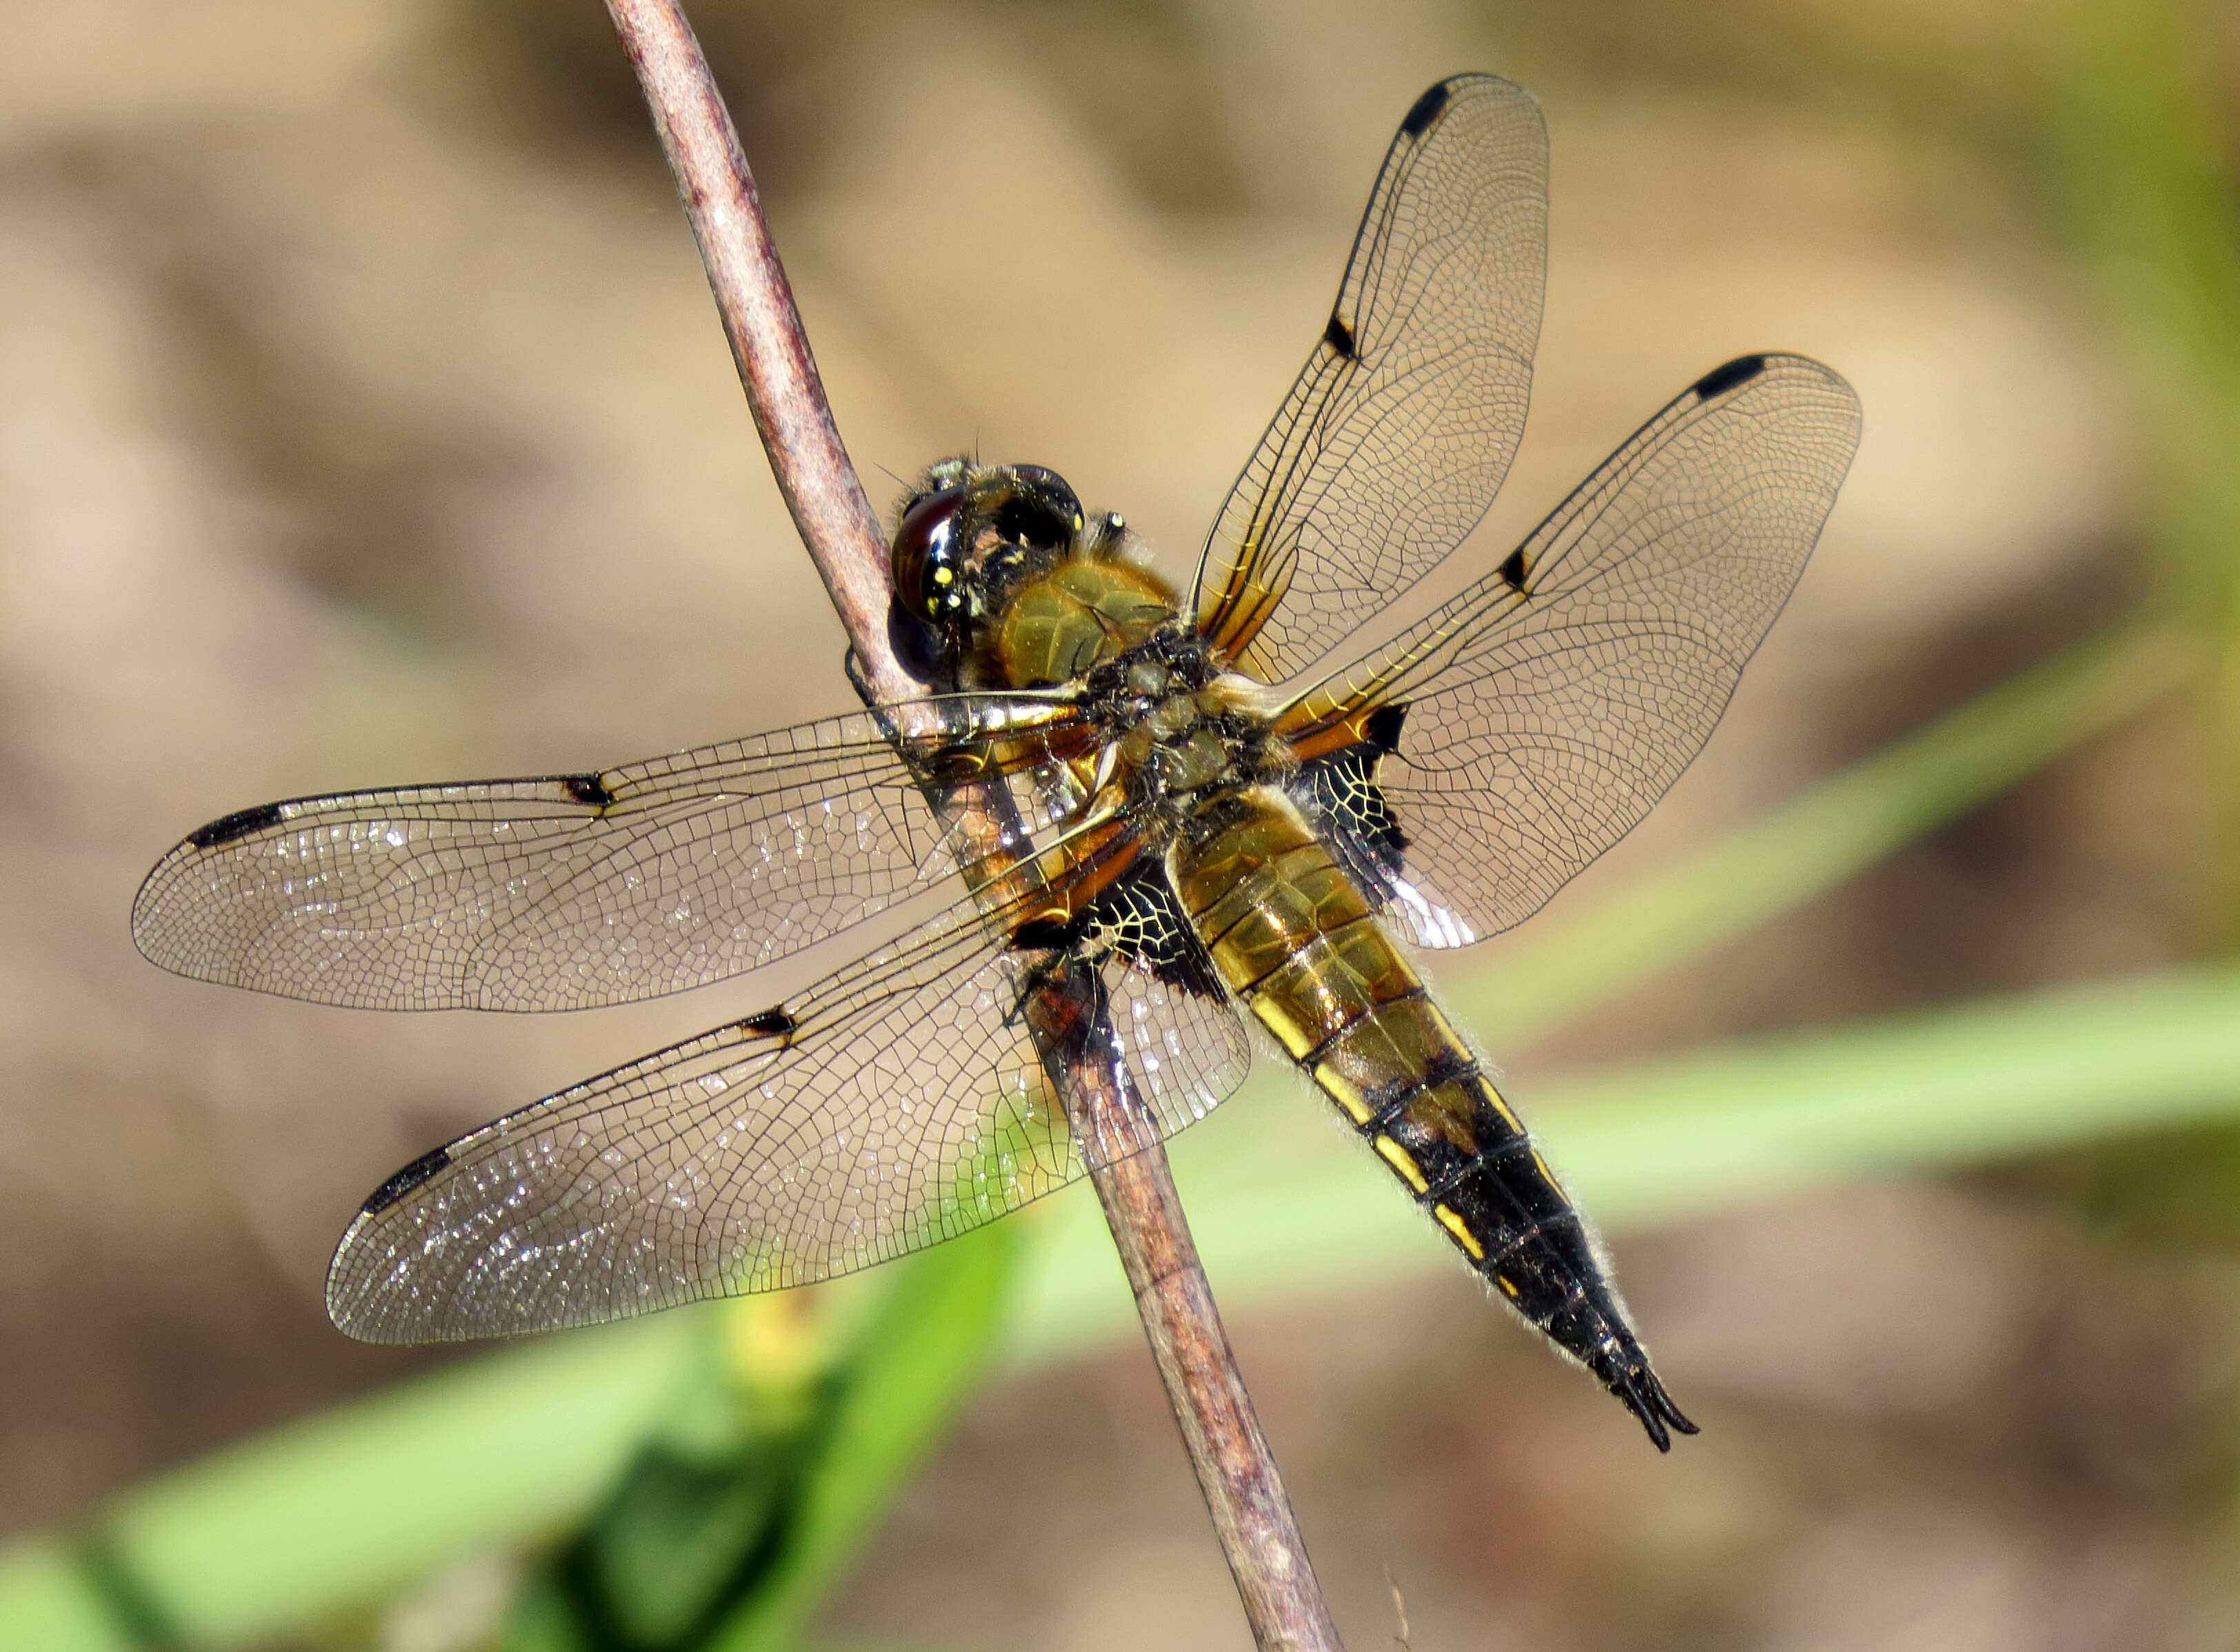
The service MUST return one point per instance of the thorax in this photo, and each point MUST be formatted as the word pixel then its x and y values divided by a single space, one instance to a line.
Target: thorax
pixel 1177 729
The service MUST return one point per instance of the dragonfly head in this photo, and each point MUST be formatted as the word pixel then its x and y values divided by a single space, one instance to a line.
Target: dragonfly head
pixel 969 536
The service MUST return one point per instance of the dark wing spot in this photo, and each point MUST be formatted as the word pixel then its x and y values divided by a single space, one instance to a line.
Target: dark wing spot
pixel 238 824
pixel 1381 728
pixel 1339 337
pixel 405 1180
pixel 1424 111
pixel 1719 380
pixel 773 1023
pixel 587 788
pixel 1512 570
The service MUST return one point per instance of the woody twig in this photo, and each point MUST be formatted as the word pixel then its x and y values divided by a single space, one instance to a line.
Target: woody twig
pixel 841 531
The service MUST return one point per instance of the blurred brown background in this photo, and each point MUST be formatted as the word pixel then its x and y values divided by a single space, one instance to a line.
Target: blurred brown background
pixel 364 419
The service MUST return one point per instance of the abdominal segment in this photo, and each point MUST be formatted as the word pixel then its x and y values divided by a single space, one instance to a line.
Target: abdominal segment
pixel 1294 938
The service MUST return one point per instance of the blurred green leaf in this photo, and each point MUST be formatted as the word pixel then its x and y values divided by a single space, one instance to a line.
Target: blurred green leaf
pixel 1281 1208
pixel 785 1443
pixel 542 1621
pixel 677 1539
pixel 921 1359
pixel 664 1550
pixel 48 1600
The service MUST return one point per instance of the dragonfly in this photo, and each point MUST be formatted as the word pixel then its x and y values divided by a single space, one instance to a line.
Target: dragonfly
pixel 1169 810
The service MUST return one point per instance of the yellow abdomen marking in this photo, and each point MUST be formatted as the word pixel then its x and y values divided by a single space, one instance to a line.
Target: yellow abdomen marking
pixel 1401 1160
pixel 1451 1219
pixel 1345 1092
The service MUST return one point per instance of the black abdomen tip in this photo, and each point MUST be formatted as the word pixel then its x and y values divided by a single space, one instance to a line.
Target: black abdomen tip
pixel 1637 1388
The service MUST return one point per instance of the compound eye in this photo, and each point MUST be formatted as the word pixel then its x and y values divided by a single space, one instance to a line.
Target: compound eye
pixel 928 561
pixel 1041 510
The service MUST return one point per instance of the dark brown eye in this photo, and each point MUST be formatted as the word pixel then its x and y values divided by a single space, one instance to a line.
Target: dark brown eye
pixel 929 573
pixel 1041 510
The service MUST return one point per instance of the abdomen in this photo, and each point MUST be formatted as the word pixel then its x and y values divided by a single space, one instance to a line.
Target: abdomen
pixel 1296 943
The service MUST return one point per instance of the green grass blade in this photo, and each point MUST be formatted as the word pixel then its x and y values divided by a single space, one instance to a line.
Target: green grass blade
pixel 1282 1208
pixel 48 1600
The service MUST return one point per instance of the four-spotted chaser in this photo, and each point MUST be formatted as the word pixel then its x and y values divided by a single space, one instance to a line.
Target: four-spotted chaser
pixel 1200 817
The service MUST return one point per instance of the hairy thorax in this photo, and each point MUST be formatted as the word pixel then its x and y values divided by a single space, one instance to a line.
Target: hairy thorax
pixel 1058 627
pixel 1180 734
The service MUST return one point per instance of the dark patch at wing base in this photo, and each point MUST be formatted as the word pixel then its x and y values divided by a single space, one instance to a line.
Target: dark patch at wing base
pixel 1341 788
pixel 1140 917
pixel 1719 380
pixel 405 1180
pixel 240 823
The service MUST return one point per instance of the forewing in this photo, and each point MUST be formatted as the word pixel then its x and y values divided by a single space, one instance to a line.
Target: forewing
pixel 1399 428
pixel 897 1103
pixel 564 892
pixel 1531 722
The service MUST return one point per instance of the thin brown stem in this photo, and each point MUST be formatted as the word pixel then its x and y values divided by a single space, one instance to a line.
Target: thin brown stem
pixel 820 486
pixel 1243 1493
pixel 1236 1471
pixel 1243 1490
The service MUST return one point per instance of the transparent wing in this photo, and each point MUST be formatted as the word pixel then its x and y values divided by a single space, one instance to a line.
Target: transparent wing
pixel 1399 430
pixel 897 1103
pixel 581 890
pixel 1530 722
